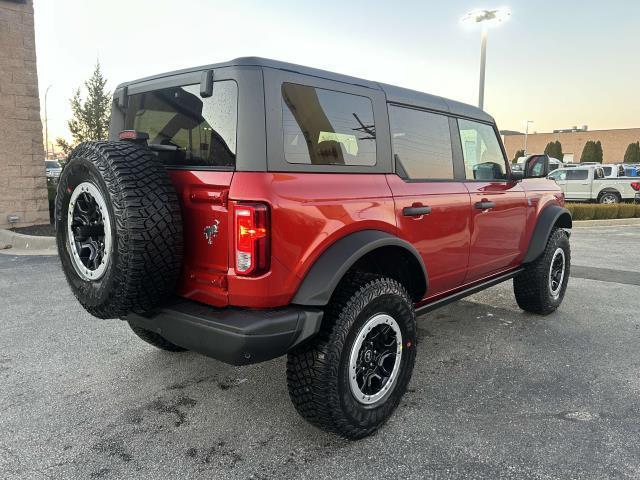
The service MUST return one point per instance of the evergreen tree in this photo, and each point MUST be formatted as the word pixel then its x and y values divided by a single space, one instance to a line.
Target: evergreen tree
pixel 599 153
pixel 588 152
pixel 518 154
pixel 632 155
pixel 554 149
pixel 91 116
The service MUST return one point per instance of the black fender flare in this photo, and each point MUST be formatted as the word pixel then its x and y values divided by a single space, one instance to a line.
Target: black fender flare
pixel 327 271
pixel 550 217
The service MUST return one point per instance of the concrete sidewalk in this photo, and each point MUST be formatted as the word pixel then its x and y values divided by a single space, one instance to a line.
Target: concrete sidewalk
pixel 18 244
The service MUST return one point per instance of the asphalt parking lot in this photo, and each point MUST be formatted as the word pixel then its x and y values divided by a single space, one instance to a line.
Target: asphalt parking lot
pixel 496 393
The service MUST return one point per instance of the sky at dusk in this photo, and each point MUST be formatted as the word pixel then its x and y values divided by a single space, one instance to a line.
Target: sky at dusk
pixel 558 63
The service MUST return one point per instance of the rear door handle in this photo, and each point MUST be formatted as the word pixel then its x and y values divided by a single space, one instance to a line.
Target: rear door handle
pixel 416 211
pixel 485 205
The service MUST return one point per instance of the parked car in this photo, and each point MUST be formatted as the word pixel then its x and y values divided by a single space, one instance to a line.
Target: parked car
pixel 589 184
pixel 554 163
pixel 52 169
pixel 631 170
pixel 255 208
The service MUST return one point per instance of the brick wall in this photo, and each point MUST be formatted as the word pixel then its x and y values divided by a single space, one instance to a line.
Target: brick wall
pixel 614 142
pixel 22 180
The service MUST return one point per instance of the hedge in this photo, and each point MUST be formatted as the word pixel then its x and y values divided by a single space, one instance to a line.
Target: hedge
pixel 595 211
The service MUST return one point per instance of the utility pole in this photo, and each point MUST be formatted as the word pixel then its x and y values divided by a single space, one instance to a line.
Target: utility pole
pixel 483 63
pixel 46 125
pixel 526 134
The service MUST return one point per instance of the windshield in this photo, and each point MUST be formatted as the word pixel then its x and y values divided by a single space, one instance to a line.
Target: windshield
pixel 51 164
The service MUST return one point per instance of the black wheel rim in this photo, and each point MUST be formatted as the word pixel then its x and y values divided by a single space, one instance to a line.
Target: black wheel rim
pixel 375 359
pixel 88 231
pixel 556 272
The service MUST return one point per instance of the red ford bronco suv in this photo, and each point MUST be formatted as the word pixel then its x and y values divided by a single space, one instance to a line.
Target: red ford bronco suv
pixel 251 209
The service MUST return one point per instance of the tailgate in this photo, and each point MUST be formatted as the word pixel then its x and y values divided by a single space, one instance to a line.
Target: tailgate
pixel 204 200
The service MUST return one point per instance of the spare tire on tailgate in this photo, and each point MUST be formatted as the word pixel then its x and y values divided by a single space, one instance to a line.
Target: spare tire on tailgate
pixel 118 228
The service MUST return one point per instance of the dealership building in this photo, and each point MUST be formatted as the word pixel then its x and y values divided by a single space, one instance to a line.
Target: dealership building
pixel 614 142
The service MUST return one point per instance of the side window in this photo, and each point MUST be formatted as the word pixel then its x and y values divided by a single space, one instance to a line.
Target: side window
pixel 577 174
pixel 483 158
pixel 324 127
pixel 193 131
pixel 421 143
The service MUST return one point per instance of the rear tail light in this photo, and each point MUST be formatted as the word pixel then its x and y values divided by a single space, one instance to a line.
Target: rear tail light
pixel 133 136
pixel 635 186
pixel 252 238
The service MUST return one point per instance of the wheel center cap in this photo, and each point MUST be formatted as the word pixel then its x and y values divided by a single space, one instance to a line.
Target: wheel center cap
pixel 368 356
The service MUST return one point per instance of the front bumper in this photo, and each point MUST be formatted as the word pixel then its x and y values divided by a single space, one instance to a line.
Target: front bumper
pixel 232 335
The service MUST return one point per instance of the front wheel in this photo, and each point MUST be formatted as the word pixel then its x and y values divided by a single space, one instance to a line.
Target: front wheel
pixel 351 377
pixel 541 287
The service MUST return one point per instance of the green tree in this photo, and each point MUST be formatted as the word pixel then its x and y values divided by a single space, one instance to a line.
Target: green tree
pixel 592 152
pixel 90 119
pixel 518 154
pixel 632 155
pixel 64 145
pixel 554 149
pixel 599 152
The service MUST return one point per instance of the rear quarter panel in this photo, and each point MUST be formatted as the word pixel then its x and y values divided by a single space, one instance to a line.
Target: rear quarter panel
pixel 309 212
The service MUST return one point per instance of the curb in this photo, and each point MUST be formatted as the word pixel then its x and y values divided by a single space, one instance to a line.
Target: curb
pixel 607 223
pixel 12 243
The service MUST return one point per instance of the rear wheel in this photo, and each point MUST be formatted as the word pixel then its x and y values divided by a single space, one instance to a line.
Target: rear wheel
pixel 541 287
pixel 351 377
pixel 608 198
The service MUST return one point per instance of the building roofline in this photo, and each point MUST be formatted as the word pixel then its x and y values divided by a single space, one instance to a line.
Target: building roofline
pixel 577 131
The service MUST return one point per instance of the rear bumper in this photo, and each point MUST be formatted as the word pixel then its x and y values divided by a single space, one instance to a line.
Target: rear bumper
pixel 637 198
pixel 235 336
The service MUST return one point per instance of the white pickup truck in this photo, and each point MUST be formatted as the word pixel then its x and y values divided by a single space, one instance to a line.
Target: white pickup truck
pixel 589 184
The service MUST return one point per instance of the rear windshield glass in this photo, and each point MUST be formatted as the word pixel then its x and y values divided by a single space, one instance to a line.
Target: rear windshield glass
pixel 323 127
pixel 186 129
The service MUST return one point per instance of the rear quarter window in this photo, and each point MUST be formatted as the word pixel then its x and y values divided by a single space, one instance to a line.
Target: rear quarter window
pixel 187 129
pixel 325 127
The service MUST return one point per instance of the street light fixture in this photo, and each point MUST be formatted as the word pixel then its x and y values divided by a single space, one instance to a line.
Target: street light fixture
pixel 487 19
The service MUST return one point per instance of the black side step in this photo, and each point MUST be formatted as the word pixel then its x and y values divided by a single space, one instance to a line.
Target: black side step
pixel 467 291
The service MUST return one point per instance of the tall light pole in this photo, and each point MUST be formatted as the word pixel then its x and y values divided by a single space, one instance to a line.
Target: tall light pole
pixel 486 19
pixel 526 134
pixel 46 125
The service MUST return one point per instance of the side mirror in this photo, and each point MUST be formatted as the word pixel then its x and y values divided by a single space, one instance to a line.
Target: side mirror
pixel 536 166
pixel 517 175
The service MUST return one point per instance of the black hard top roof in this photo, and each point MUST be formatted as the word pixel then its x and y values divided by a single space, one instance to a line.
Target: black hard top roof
pixel 394 94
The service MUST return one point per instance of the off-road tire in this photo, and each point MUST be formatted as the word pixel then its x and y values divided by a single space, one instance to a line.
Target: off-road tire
pixel 318 371
pixel 145 223
pixel 156 340
pixel 531 287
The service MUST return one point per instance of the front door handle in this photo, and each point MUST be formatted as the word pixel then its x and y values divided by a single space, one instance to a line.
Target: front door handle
pixel 485 205
pixel 416 211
